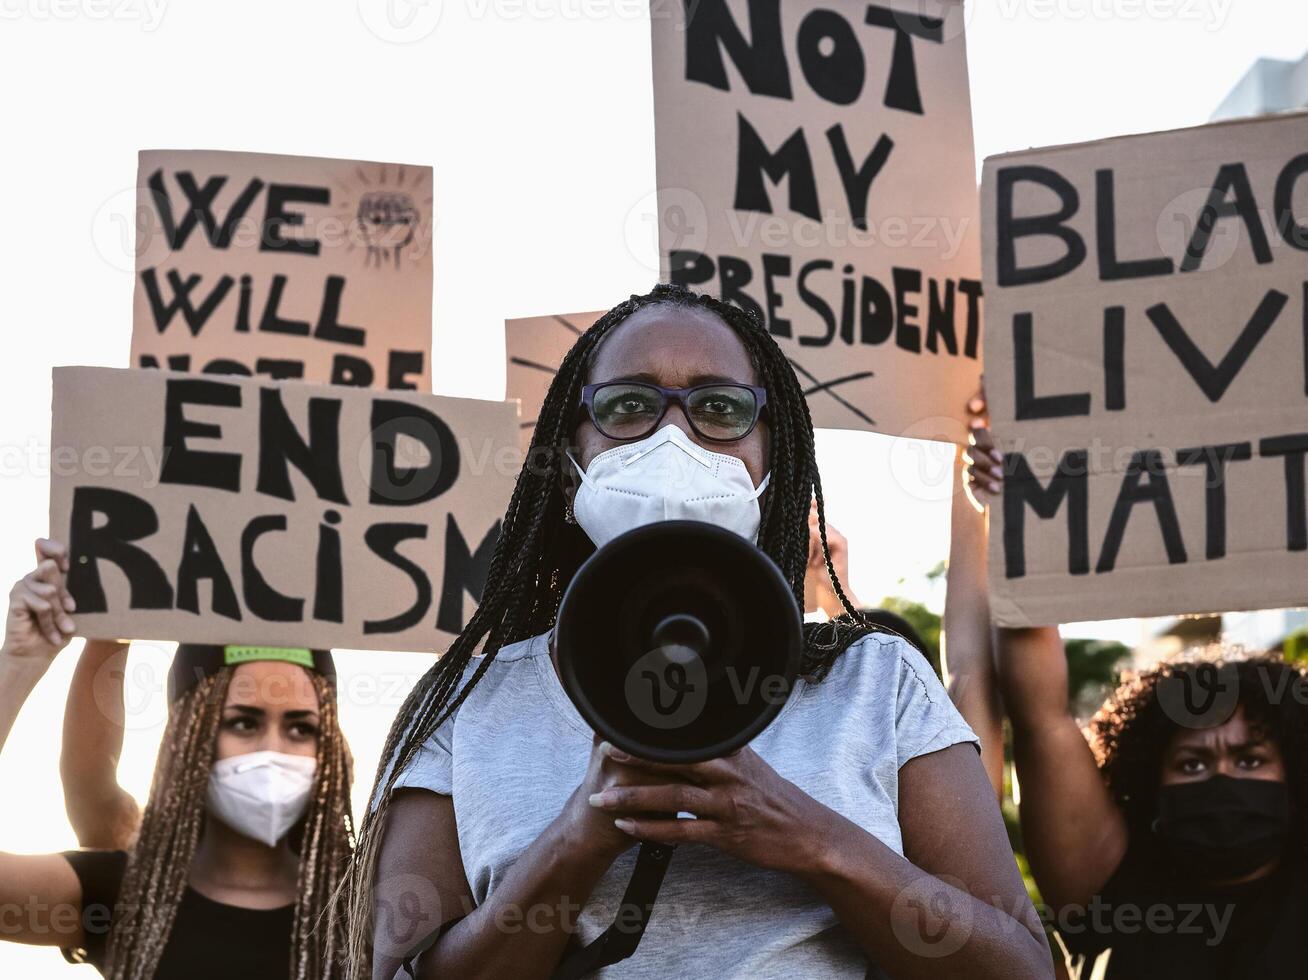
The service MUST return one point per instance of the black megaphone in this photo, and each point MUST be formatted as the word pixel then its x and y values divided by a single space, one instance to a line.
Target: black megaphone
pixel 679 641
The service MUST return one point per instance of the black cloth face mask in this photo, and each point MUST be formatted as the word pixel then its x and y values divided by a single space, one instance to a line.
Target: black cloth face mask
pixel 1223 828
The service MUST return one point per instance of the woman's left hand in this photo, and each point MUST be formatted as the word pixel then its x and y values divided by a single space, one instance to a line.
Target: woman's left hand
pixel 742 808
pixel 38 624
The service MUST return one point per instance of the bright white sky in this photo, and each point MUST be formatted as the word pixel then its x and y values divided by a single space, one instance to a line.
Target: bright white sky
pixel 537 117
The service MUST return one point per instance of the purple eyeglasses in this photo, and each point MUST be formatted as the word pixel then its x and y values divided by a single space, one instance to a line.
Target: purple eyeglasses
pixel 721 411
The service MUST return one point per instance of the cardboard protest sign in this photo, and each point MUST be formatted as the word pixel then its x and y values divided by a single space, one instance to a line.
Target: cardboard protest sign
pixel 1147 371
pixel 286 267
pixel 234 510
pixel 815 165
pixel 535 346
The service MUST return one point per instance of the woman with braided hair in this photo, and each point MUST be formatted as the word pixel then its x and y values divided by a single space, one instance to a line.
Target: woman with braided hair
pixel 857 834
pixel 247 832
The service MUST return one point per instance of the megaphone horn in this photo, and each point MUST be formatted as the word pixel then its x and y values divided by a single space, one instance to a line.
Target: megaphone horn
pixel 679 641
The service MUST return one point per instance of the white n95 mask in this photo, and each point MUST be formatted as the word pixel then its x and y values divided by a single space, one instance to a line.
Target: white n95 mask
pixel 665 477
pixel 261 794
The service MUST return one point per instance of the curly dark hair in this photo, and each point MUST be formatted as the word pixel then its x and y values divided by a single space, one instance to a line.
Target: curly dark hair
pixel 1132 730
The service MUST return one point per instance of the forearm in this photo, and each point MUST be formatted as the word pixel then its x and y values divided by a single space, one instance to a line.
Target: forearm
pixel 18 677
pixel 973 690
pixel 1074 835
pixel 101 812
pixel 1031 666
pixel 912 924
pixel 966 654
pixel 523 927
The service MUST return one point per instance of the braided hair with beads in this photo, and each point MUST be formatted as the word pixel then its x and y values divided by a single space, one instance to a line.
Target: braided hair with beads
pixel 539 550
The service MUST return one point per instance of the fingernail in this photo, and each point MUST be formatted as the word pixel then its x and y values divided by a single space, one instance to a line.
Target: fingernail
pixel 625 825
pixel 606 748
pixel 598 799
pixel 994 487
pixel 70 604
pixel 67 626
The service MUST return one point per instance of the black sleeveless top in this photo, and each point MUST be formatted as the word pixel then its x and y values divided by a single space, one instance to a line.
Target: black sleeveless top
pixel 1154 926
pixel 209 940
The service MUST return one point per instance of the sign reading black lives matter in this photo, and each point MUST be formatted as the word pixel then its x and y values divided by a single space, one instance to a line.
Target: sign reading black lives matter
pixel 815 165
pixel 230 510
pixel 285 267
pixel 1147 371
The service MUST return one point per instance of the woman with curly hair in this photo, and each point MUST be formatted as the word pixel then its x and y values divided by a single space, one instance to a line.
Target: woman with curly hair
pixel 1168 839
pixel 246 834
pixel 856 834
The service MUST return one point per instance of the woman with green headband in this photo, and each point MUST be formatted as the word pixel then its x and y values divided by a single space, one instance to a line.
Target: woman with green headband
pixel 246 833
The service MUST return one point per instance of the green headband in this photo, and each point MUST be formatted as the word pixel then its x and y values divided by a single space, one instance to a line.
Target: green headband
pixel 194 661
pixel 233 655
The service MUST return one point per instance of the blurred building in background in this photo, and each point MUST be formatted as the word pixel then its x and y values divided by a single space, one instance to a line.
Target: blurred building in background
pixel 1269 86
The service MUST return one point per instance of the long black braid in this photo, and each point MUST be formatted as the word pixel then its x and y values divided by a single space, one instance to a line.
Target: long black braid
pixel 538 550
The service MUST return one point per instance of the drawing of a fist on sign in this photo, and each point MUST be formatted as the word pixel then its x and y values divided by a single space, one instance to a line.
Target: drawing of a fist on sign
pixel 387 220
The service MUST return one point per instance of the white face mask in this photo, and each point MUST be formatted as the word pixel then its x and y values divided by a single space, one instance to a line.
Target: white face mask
pixel 665 477
pixel 261 794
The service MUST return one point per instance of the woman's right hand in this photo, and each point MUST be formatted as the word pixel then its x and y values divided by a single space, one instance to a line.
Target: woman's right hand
pixel 984 464
pixel 823 595
pixel 38 624
pixel 590 830
pixel 1020 683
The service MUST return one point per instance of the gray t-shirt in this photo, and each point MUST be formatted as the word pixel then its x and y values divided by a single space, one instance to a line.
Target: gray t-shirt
pixel 517 748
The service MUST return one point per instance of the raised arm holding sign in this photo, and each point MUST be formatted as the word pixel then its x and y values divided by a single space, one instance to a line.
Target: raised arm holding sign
pixel 1173 806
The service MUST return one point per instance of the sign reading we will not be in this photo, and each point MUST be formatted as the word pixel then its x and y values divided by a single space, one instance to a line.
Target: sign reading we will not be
pixel 288 267
pixel 233 510
pixel 1147 373
pixel 815 165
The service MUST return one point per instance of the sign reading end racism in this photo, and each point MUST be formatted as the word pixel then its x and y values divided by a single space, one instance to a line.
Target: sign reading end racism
pixel 815 166
pixel 535 347
pixel 1147 372
pixel 285 267
pixel 232 510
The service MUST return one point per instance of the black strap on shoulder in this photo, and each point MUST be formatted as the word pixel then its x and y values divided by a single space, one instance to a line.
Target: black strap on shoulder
pixel 617 942
pixel 620 940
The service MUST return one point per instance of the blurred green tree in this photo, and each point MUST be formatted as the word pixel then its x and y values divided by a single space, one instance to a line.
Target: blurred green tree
pixel 1295 646
pixel 1093 668
pixel 921 619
